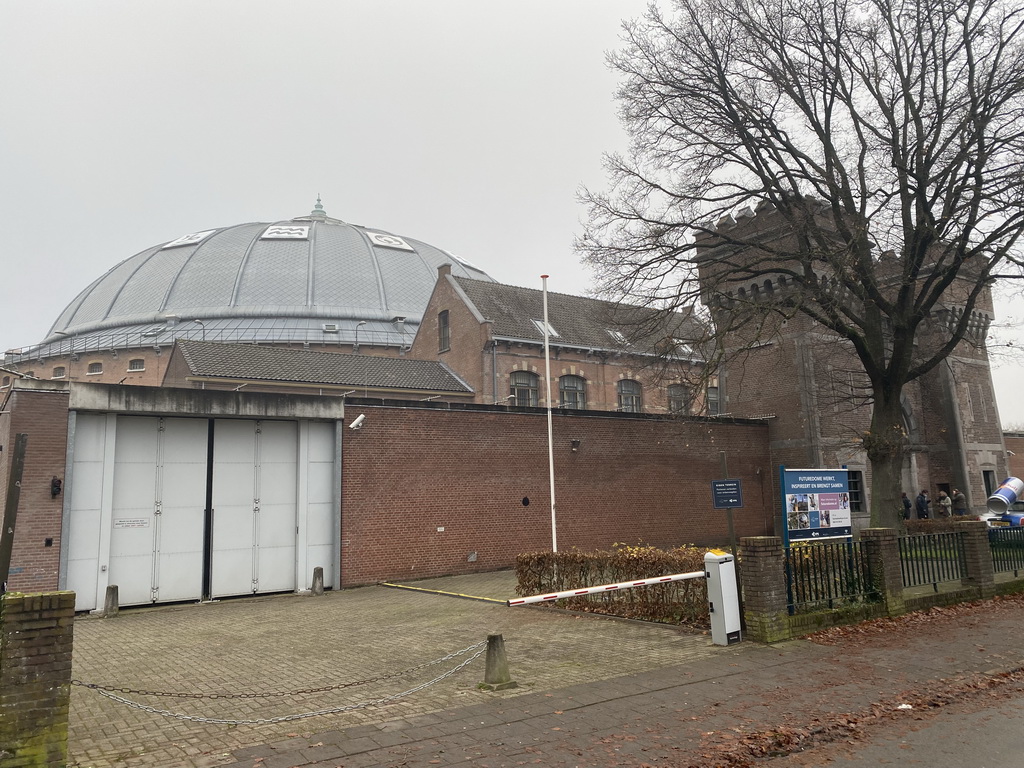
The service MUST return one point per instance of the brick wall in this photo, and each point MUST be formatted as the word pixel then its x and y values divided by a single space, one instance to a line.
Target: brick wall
pixel 35 678
pixel 482 477
pixel 43 416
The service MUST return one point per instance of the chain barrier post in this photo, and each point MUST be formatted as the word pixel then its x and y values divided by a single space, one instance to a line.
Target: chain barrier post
pixel 496 673
pixel 111 604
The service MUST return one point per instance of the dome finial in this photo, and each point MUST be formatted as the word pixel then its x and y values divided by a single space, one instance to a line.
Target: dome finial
pixel 318 209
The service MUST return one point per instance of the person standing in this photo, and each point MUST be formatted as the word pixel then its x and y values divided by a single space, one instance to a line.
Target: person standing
pixel 959 502
pixel 945 505
pixel 922 502
pixel 907 506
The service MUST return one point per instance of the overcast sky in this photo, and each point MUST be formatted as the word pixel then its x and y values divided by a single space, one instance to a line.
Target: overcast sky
pixel 469 125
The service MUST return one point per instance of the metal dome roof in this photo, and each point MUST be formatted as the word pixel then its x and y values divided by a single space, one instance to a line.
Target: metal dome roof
pixel 291 280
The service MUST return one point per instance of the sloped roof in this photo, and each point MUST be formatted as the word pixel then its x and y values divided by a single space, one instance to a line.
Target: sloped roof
pixel 210 359
pixel 578 320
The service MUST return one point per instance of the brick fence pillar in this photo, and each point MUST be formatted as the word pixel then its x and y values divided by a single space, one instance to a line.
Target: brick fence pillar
pixel 978 554
pixel 883 552
pixel 35 678
pixel 763 577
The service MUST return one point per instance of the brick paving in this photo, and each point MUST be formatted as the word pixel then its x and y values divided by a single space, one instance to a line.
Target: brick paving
pixel 296 642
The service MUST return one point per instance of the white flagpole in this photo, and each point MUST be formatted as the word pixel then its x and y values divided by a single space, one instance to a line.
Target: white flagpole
pixel 551 449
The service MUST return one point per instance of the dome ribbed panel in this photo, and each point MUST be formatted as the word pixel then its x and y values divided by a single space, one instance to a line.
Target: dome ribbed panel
pixel 69 312
pixel 96 305
pixel 145 290
pixel 208 278
pixel 275 274
pixel 408 277
pixel 343 273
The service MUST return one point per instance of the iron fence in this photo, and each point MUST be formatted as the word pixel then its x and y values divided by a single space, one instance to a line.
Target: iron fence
pixel 1007 545
pixel 828 575
pixel 932 558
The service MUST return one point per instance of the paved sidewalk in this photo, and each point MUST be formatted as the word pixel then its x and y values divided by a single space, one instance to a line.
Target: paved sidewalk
pixel 295 642
pixel 676 715
pixel 594 692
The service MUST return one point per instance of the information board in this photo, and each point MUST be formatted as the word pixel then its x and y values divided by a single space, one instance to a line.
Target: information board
pixel 816 503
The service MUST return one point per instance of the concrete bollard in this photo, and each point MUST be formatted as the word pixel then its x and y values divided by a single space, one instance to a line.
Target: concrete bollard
pixel 110 602
pixel 318 581
pixel 496 674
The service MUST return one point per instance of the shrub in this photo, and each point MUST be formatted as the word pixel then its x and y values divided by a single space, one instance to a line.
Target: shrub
pixel 680 602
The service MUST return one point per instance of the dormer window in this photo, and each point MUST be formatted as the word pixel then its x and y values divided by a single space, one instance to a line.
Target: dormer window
pixel 542 326
pixel 617 336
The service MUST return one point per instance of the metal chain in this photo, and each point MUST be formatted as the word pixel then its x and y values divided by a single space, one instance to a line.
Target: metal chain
pixel 273 694
pixel 303 715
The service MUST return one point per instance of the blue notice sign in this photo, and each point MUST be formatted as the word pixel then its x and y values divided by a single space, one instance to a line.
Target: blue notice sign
pixel 727 494
pixel 816 503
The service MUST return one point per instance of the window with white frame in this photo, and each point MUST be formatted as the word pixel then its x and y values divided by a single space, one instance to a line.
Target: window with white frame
pixel 137 364
pixel 714 406
pixel 678 398
pixel 630 392
pixel 59 372
pixel 525 388
pixel 572 392
pixel 94 368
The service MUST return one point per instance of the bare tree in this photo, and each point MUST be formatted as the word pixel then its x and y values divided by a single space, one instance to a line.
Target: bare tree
pixel 886 138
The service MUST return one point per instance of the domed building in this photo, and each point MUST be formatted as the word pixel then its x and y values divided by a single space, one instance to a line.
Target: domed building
pixel 312 281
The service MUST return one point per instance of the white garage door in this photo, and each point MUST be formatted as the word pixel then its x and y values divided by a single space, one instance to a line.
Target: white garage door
pixel 138 501
pixel 254 493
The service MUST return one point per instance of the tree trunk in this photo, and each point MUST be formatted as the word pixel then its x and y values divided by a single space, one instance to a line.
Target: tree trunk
pixel 885 444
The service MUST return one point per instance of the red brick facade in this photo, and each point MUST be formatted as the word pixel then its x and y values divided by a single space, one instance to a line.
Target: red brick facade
pixel 43 416
pixel 630 480
pixel 430 490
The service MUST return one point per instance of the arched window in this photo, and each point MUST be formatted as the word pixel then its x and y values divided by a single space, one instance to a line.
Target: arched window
pixel 59 372
pixel 629 396
pixel 138 364
pixel 572 392
pixel 94 368
pixel 678 398
pixel 524 387
pixel 444 335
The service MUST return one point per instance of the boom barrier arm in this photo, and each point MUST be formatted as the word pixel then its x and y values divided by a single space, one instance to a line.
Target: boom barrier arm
pixel 606 588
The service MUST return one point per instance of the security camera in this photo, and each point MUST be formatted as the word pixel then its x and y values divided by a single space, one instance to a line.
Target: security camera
pixel 357 422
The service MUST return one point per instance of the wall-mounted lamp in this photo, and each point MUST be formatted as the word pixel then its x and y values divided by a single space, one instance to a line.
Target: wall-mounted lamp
pixel 357 422
pixel 55 487
pixel 575 445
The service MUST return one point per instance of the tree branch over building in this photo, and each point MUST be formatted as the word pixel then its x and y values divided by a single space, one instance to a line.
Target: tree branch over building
pixel 857 162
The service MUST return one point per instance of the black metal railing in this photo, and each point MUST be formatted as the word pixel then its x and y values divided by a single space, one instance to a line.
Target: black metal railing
pixel 932 558
pixel 828 575
pixel 1007 545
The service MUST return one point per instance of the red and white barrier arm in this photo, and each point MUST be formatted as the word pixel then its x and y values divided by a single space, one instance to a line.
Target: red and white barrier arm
pixel 605 588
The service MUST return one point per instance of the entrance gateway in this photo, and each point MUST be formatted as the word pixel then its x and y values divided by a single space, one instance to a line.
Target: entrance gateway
pixel 173 509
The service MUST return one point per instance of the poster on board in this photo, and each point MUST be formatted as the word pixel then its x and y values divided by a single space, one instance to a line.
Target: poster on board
pixel 816 503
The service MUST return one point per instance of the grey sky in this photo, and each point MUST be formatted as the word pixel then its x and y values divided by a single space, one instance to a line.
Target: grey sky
pixel 469 125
